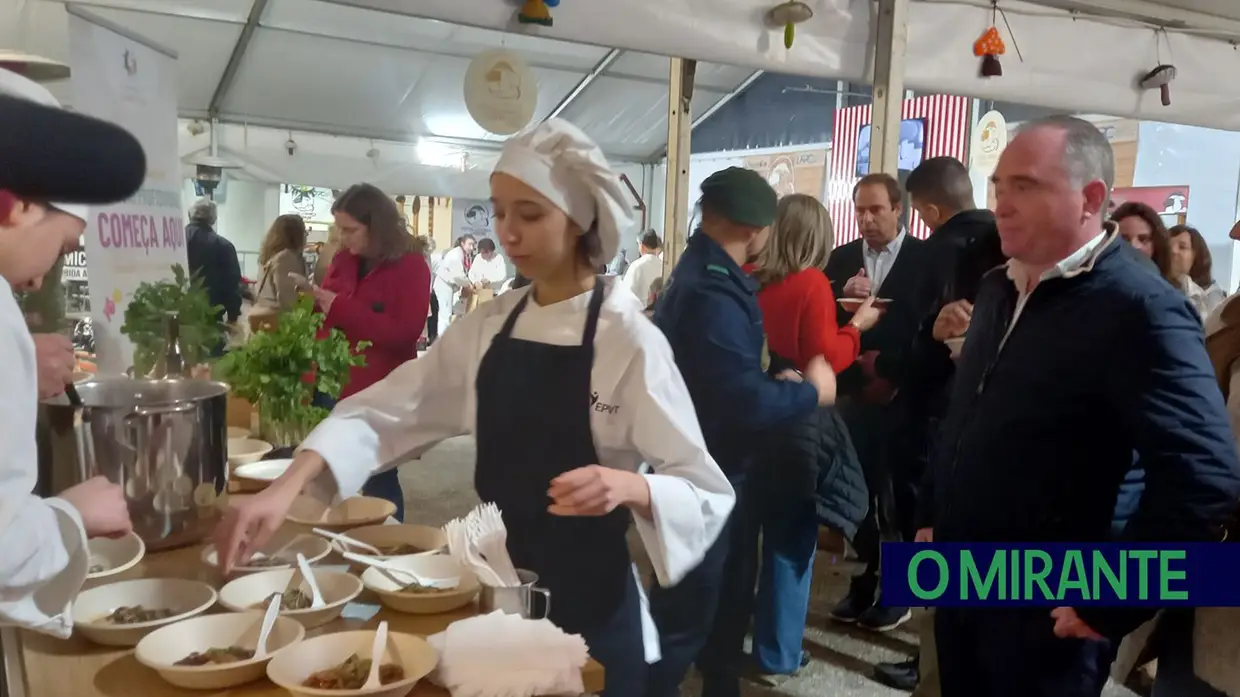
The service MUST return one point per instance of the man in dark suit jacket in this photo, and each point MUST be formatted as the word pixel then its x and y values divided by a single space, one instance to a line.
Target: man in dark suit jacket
pixel 887 263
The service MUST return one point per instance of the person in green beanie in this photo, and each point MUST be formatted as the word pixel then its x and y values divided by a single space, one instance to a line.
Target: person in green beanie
pixel 709 312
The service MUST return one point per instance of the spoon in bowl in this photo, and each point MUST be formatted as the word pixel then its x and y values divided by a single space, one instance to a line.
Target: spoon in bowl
pixel 377 650
pixel 394 571
pixel 316 598
pixel 346 541
pixel 269 621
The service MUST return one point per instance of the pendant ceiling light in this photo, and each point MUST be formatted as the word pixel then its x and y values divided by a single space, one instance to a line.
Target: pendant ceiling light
pixel 36 68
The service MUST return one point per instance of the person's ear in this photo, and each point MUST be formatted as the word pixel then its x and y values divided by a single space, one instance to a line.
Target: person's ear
pixel 1095 195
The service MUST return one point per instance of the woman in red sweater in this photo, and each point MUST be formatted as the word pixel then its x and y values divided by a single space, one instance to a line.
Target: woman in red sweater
pixel 377 290
pixel 799 316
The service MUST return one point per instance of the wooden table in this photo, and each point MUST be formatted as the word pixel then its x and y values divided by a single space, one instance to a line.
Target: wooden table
pixel 78 668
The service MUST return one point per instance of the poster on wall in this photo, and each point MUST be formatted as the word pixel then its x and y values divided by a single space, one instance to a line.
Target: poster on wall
pixel 312 203
pixel 472 217
pixel 129 82
pixel 803 172
pixel 1169 201
pixel 931 126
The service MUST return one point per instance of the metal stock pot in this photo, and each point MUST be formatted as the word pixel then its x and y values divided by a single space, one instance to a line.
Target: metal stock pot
pixel 164 441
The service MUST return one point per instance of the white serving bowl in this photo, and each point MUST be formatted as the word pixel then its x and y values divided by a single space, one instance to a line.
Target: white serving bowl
pixel 250 593
pixel 437 566
pixel 161 649
pixel 312 547
pixel 114 555
pixel 242 451
pixel 263 470
pixel 353 512
pixel 186 598
pixel 424 537
pixel 236 433
pixel 291 667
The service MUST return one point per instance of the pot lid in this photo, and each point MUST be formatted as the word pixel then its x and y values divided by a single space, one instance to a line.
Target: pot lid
pixel 36 68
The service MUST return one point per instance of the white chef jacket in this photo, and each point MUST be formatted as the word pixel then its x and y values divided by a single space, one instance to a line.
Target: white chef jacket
pixel 494 272
pixel 642 274
pixel 452 274
pixel 642 414
pixel 43 553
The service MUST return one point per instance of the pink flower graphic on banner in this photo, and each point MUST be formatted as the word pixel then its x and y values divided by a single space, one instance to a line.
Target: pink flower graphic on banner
pixel 109 306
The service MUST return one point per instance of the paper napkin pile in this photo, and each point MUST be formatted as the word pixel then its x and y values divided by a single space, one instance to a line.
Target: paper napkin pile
pixel 502 655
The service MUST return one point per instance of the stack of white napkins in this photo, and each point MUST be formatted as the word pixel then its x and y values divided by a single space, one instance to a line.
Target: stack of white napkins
pixel 502 655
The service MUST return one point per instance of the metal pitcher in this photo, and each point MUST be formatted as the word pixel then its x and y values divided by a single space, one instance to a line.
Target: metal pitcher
pixel 164 441
pixel 516 600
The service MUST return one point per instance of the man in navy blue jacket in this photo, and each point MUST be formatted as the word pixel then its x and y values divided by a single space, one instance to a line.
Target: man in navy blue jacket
pixel 709 313
pixel 1077 355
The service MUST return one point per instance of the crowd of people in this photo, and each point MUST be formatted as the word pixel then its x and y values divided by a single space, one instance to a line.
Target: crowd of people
pixel 1035 374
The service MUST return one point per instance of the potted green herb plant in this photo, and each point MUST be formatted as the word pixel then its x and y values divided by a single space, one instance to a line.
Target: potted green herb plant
pixel 147 313
pixel 270 370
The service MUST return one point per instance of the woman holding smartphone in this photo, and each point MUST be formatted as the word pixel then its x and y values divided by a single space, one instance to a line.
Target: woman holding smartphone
pixel 568 390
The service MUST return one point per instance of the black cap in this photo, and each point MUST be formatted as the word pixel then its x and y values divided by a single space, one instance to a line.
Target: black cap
pixel 52 155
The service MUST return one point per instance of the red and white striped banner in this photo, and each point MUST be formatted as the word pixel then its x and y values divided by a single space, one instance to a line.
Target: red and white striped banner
pixel 946 133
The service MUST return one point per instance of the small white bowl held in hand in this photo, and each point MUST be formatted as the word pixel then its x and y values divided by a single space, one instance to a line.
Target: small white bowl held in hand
pixel 161 649
pixel 243 451
pixel 263 470
pixel 251 593
pixel 109 557
pixel 391 590
pixel 285 543
pixel 90 611
pixel 354 512
pixel 290 668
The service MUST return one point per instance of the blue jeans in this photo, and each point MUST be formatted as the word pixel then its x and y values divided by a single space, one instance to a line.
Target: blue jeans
pixel 789 540
pixel 384 485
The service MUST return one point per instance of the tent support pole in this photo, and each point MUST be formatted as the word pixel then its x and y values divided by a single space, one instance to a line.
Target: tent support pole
pixel 889 49
pixel 679 131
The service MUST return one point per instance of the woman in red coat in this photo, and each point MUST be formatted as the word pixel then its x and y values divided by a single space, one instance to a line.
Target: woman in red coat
pixel 799 316
pixel 377 290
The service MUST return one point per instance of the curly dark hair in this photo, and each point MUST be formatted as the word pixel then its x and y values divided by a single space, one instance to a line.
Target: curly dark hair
pixel 1202 272
pixel 1160 238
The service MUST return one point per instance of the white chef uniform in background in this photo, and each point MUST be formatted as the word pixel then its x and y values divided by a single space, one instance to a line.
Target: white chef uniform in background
pixel 489 273
pixel 450 277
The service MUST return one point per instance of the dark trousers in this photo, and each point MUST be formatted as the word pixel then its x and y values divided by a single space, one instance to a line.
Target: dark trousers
pixel 1014 653
pixel 1175 677
pixel 705 617
pixel 871 430
pixel 432 321
pixel 789 540
pixel 385 485
pixel 618 646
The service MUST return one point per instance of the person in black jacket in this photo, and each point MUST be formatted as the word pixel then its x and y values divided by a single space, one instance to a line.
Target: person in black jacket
pixel 1077 355
pixel 886 262
pixel 213 259
pixel 964 245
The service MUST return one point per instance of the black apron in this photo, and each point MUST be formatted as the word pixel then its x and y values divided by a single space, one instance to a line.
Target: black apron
pixel 533 424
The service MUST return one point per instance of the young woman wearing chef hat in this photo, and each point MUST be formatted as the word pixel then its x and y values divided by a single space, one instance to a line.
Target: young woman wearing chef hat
pixel 47 154
pixel 568 389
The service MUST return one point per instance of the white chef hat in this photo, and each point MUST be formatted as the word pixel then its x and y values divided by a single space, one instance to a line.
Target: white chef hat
pixel 21 87
pixel 560 162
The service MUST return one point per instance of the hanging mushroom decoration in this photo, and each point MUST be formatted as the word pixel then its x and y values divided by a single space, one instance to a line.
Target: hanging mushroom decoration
pixel 788 15
pixel 1160 78
pixel 989 47
pixel 537 12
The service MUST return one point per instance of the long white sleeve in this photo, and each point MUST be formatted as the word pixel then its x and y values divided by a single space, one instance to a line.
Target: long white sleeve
pixel 451 269
pixel 422 402
pixel 43 553
pixel 690 496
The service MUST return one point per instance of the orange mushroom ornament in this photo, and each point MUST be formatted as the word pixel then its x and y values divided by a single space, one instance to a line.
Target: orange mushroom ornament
pixel 989 47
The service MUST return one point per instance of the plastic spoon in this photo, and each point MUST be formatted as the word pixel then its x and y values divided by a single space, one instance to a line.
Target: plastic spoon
pixel 269 621
pixel 316 598
pixel 376 657
pixel 440 583
pixel 347 541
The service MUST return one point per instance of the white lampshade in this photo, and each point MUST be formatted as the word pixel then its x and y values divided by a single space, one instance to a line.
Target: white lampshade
pixel 36 68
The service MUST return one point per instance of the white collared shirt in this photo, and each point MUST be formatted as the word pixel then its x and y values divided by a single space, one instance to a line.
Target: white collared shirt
pixel 878 262
pixel 642 274
pixel 1074 263
pixel 642 420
